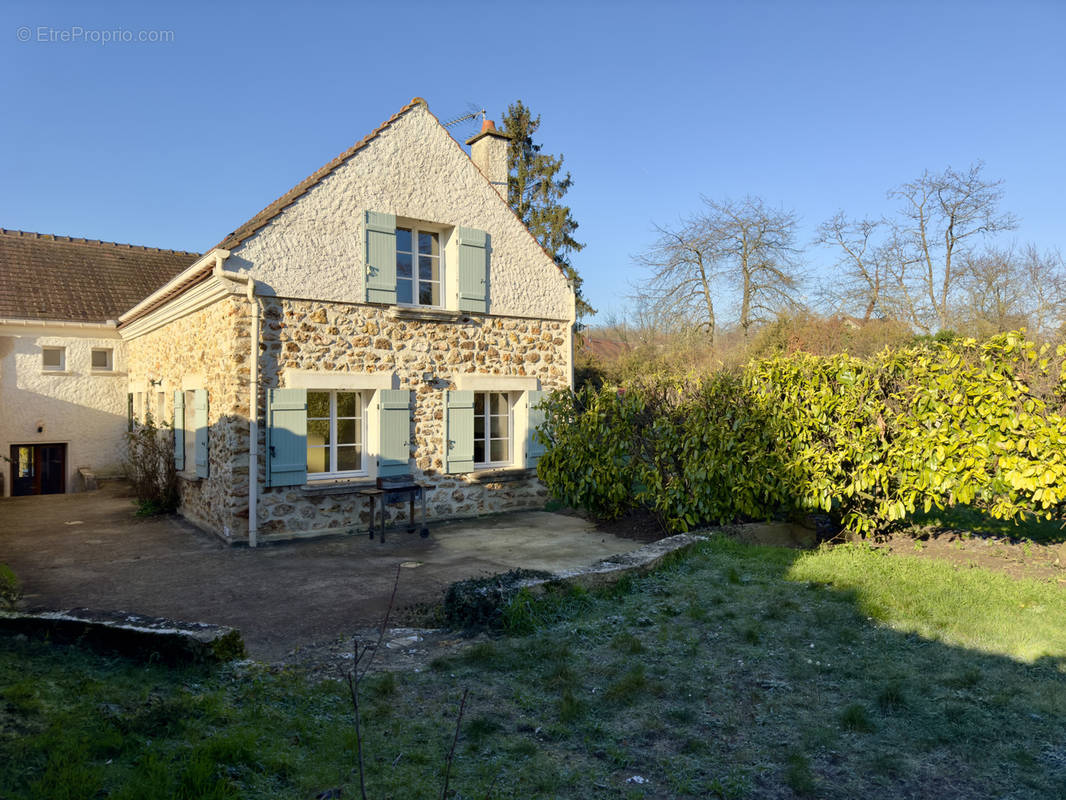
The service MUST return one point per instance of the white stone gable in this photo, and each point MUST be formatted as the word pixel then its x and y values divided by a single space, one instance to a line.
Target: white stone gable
pixel 314 249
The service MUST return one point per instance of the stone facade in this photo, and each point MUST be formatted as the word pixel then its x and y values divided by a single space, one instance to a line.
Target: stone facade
pixel 427 357
pixel 208 349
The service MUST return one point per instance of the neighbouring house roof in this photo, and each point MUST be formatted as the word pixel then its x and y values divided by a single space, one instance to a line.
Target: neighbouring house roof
pixel 49 277
pixel 604 349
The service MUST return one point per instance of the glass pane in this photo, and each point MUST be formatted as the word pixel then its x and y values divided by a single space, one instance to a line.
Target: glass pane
pixel 500 426
pixel 479 404
pixel 499 450
pixel 499 403
pixel 479 427
pixel 348 458
pixel 426 294
pixel 317 405
pixel 428 268
pixel 346 404
pixel 428 244
pixel 317 432
pixel 403 240
pixel 403 290
pixel 403 265
pixel 100 358
pixel 479 452
pixel 317 459
pixel 346 431
pixel 53 358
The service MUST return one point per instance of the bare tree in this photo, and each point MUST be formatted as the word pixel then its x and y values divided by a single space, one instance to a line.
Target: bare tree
pixel 1007 289
pixel 737 250
pixel 861 283
pixel 941 217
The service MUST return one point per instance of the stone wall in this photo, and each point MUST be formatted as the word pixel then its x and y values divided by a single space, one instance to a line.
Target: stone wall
pixel 428 357
pixel 208 349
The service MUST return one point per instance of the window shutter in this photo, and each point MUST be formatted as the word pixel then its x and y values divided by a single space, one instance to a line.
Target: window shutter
pixel 200 425
pixel 394 429
pixel 380 257
pixel 534 419
pixel 459 431
pixel 286 437
pixel 179 428
pixel 473 270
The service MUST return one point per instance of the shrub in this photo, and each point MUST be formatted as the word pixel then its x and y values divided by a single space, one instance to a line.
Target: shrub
pixel 150 467
pixel 867 441
pixel 10 588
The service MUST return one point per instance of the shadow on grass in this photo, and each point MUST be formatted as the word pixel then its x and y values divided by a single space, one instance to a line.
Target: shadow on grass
pixel 977 522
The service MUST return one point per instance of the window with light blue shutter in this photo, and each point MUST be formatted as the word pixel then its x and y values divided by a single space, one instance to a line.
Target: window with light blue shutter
pixel 473 270
pixel 394 428
pixel 459 431
pixel 534 449
pixel 286 437
pixel 380 232
pixel 179 428
pixel 200 424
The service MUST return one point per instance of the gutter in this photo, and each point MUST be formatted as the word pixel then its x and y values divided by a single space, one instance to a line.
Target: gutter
pixel 55 323
pixel 253 420
pixel 206 264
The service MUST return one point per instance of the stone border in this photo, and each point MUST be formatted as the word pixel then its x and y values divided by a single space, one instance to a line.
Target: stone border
pixel 132 635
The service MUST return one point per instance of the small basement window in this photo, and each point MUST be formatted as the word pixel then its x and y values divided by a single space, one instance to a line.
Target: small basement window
pixel 54 359
pixel 102 358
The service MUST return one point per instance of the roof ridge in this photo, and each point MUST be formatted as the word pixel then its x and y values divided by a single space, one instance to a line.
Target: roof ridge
pixel 56 237
pixel 258 221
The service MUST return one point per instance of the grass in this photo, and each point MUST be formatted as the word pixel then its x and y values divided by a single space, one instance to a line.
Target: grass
pixel 735 672
pixel 975 521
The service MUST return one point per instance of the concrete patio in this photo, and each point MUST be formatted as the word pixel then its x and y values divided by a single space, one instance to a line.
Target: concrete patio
pixel 89 550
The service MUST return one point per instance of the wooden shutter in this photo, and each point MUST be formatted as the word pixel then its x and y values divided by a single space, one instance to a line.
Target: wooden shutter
pixel 179 428
pixel 200 424
pixel 473 270
pixel 394 429
pixel 380 257
pixel 286 437
pixel 459 431
pixel 534 419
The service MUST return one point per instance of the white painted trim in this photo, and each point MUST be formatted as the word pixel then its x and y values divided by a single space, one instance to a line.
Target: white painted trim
pixel 214 257
pixel 55 327
pixel 351 381
pixel 200 296
pixel 496 383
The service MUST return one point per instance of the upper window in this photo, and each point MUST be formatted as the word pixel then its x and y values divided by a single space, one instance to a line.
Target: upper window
pixel 54 358
pixel 493 445
pixel 335 434
pixel 102 358
pixel 418 267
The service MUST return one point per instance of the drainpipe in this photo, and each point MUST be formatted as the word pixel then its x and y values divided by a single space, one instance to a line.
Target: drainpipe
pixel 253 422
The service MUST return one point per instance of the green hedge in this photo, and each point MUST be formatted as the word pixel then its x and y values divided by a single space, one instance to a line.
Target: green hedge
pixel 867 440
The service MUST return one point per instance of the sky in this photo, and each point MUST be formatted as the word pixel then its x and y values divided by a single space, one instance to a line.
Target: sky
pixel 815 107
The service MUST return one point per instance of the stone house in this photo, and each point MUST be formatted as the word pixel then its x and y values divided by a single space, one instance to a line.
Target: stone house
pixel 389 315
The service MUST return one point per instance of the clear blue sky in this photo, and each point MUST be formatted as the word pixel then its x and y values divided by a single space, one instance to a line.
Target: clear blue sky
pixel 813 106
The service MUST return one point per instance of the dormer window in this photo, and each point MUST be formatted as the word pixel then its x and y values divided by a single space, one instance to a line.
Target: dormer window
pixel 418 267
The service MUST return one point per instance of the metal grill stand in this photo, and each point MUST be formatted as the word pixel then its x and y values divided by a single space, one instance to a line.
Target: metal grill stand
pixel 396 490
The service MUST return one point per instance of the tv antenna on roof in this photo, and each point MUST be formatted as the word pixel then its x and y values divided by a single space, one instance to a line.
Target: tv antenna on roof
pixel 464 118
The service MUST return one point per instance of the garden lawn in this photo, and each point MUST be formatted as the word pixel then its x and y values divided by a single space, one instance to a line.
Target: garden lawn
pixel 733 671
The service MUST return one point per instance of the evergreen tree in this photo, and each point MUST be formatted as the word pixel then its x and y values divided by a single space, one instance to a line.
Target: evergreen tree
pixel 535 187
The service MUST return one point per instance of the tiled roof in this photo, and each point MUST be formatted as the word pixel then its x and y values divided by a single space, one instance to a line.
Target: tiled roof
pixel 300 189
pixel 82 280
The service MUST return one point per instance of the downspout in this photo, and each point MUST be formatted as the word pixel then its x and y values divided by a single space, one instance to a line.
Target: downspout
pixel 253 422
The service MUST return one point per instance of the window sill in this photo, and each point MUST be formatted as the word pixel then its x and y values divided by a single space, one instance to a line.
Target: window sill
pixel 352 486
pixel 500 475
pixel 191 477
pixel 425 314
pixel 106 373
pixel 56 372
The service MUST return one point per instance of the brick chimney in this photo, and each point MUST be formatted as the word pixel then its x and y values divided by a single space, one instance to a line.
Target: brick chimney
pixel 488 150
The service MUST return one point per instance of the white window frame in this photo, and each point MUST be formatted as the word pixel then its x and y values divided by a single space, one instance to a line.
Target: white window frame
pixel 62 358
pixel 334 474
pixel 510 399
pixel 109 366
pixel 415 228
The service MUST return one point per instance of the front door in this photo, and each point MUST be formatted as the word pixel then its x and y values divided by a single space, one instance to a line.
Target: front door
pixel 38 469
